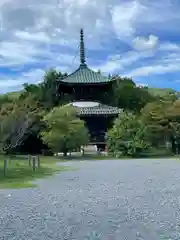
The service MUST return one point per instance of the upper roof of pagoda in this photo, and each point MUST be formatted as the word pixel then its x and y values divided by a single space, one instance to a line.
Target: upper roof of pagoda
pixel 84 75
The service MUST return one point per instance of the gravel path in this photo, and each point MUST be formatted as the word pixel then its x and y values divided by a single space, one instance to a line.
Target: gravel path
pixel 123 200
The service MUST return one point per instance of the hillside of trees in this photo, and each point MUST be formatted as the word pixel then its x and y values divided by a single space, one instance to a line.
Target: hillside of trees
pixel 35 119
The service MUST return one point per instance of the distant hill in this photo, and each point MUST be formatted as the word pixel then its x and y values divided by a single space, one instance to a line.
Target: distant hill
pixel 11 95
pixel 161 91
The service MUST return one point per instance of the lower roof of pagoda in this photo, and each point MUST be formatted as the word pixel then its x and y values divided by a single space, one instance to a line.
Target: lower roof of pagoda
pixel 89 108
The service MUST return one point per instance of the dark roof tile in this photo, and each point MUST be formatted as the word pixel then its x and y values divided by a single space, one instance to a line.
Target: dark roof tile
pixel 85 75
pixel 101 109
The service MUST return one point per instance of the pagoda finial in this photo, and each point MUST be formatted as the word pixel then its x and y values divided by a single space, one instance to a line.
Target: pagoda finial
pixel 82 49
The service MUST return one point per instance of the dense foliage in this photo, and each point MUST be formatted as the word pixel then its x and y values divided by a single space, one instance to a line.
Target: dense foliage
pixel 64 132
pixel 128 136
pixel 34 119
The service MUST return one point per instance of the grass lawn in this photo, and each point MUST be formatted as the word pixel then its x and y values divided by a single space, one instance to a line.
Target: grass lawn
pixel 21 175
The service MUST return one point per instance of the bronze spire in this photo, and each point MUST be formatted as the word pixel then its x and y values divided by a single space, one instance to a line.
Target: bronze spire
pixel 82 49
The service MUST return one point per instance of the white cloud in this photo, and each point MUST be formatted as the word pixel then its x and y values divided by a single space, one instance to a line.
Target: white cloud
pixel 6 83
pixel 16 82
pixel 167 46
pixel 142 43
pixel 154 69
pixel 164 62
pixel 118 63
pixel 28 36
pixel 46 33
pixel 124 17
pixel 12 54
pixel 33 76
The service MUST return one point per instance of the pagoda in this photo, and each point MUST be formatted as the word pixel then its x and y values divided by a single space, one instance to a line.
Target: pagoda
pixel 87 91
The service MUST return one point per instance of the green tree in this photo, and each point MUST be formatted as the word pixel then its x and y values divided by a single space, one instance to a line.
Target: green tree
pixel 16 122
pixel 127 137
pixel 163 123
pixel 172 116
pixel 153 115
pixel 49 88
pixel 46 92
pixel 36 99
pixel 128 96
pixel 64 130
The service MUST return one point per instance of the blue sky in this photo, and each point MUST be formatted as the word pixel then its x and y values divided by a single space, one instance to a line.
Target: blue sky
pixel 134 38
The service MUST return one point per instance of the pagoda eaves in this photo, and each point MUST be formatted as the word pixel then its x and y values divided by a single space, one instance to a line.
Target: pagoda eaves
pixel 94 108
pixel 85 75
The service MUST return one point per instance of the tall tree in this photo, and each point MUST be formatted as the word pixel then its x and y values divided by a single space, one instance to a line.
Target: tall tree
pixel 129 97
pixel 64 130
pixel 163 121
pixel 49 89
pixel 153 115
pixel 128 136
pixel 16 122
pixel 46 92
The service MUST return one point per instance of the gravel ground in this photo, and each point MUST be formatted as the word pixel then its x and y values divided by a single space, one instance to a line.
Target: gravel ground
pixel 123 200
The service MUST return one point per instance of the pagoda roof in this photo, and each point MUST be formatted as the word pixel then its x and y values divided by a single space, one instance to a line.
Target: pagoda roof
pixel 85 75
pixel 85 108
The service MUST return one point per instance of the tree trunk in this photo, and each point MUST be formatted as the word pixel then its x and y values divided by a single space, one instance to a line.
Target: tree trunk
pixel 65 153
pixel 173 146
